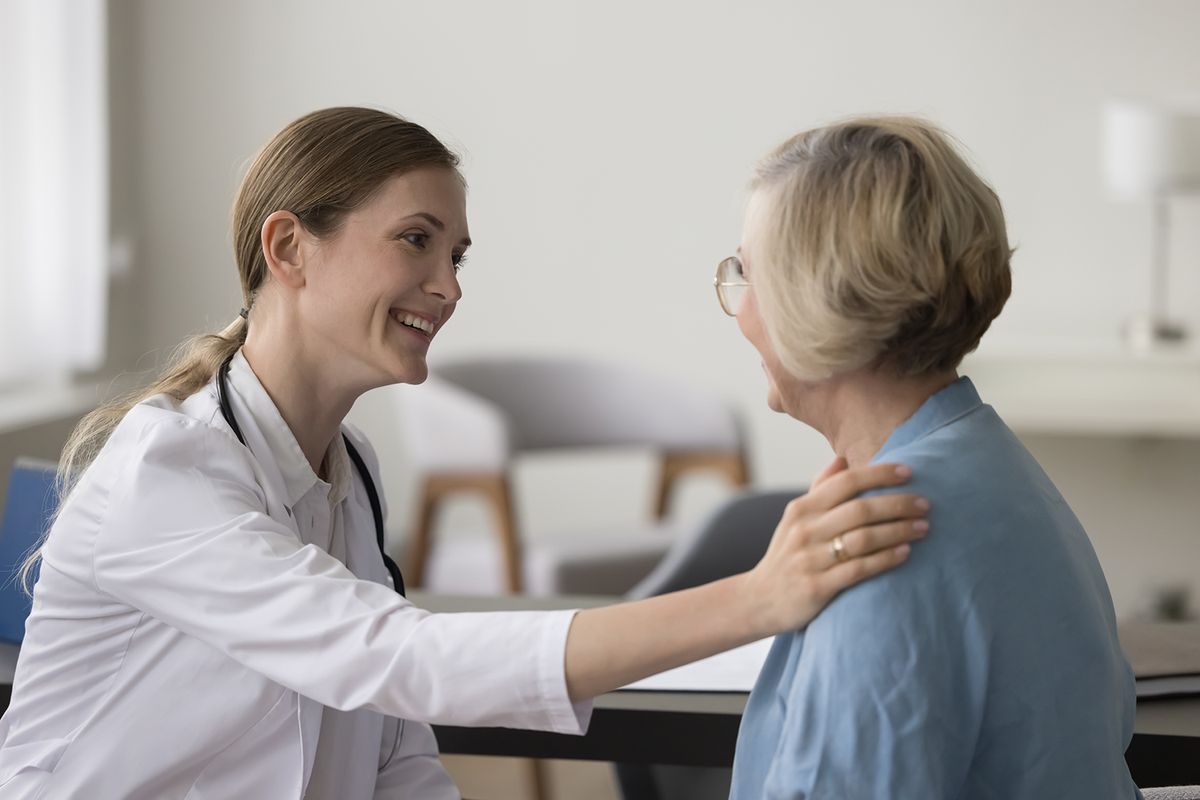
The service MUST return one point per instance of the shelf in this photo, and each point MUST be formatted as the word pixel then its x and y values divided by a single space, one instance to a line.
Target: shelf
pixel 1091 391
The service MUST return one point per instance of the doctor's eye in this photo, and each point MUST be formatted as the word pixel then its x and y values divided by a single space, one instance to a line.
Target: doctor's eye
pixel 416 238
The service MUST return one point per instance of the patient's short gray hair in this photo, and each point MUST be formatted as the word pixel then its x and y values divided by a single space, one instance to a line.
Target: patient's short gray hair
pixel 871 241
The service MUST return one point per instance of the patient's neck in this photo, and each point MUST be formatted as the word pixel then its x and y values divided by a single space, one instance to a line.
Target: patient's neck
pixel 857 411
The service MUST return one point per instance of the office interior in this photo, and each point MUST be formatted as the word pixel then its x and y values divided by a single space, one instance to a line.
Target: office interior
pixel 607 149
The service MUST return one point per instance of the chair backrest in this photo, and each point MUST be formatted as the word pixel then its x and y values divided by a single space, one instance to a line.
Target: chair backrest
pixel 732 540
pixel 28 507
pixel 554 402
pixel 449 429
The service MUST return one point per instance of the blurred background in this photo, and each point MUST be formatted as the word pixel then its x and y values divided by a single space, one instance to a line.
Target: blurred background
pixel 607 147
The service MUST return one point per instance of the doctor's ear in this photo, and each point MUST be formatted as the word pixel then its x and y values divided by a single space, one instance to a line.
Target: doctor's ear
pixel 282 239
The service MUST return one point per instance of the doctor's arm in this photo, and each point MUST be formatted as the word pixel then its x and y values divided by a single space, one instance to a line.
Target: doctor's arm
pixel 612 646
pixel 187 540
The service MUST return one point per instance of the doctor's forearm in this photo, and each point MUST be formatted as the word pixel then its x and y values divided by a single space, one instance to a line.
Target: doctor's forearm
pixel 612 646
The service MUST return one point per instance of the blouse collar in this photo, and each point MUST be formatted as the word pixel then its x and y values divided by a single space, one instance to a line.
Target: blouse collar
pixel 939 410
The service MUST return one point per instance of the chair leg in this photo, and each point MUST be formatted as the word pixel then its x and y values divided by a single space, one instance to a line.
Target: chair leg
pixel 636 782
pixel 495 491
pixel 739 470
pixel 422 537
pixel 731 464
pixel 538 783
pixel 501 499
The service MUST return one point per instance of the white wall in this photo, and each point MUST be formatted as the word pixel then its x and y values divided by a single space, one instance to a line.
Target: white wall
pixel 607 146
pixel 126 335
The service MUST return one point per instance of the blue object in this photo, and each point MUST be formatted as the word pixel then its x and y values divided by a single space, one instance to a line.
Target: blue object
pixel 986 666
pixel 28 508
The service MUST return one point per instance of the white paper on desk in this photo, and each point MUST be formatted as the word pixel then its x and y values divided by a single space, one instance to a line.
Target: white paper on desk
pixel 732 671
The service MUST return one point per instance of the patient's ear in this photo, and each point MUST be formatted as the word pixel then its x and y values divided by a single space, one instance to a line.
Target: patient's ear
pixel 281 238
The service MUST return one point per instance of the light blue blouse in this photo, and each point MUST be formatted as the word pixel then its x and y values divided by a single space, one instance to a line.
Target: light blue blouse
pixel 987 666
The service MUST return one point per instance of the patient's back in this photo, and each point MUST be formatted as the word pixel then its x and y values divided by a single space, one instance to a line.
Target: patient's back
pixel 986 666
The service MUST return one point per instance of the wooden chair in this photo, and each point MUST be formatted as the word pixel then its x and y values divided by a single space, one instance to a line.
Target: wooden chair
pixel 468 424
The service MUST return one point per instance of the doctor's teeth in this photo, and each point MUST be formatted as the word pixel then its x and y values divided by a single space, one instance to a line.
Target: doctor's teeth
pixel 417 322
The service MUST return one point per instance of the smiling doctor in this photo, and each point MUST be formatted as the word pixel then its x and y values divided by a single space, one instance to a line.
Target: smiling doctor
pixel 214 617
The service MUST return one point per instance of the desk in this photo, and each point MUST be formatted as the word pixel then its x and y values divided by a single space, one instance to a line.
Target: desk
pixel 700 729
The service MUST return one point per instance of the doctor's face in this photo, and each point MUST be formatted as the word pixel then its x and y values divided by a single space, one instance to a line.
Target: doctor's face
pixel 387 281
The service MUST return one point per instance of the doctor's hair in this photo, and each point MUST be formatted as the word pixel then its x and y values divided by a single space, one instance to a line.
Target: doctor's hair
pixel 873 243
pixel 321 167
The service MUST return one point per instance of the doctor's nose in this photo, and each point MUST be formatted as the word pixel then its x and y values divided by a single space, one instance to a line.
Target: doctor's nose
pixel 444 284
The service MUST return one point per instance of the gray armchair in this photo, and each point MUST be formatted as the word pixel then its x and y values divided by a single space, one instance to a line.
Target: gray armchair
pixel 732 540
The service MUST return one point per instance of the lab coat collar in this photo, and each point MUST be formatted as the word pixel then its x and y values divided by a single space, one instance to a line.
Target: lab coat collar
pixel 297 474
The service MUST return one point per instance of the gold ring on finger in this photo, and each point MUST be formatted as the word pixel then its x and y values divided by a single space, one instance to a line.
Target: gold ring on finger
pixel 837 548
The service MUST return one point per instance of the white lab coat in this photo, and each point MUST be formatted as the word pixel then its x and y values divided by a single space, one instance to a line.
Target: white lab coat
pixel 186 640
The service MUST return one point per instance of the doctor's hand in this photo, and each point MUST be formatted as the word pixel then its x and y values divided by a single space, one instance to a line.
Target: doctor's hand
pixel 827 540
pixel 831 539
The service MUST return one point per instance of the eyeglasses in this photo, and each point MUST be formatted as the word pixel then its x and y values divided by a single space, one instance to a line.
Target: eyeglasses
pixel 731 285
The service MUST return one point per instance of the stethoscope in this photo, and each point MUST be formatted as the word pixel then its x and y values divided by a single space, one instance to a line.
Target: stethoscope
pixel 359 465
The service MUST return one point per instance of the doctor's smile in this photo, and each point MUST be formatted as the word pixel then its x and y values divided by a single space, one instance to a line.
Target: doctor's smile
pixel 417 323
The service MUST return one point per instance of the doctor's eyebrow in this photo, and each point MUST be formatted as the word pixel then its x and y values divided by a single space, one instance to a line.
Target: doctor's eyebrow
pixel 437 223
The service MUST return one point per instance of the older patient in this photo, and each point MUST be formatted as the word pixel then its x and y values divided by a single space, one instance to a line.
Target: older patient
pixel 872 260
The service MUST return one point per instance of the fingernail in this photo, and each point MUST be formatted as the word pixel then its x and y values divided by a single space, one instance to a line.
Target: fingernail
pixel 902 551
pixel 920 525
pixel 903 471
pixel 922 504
